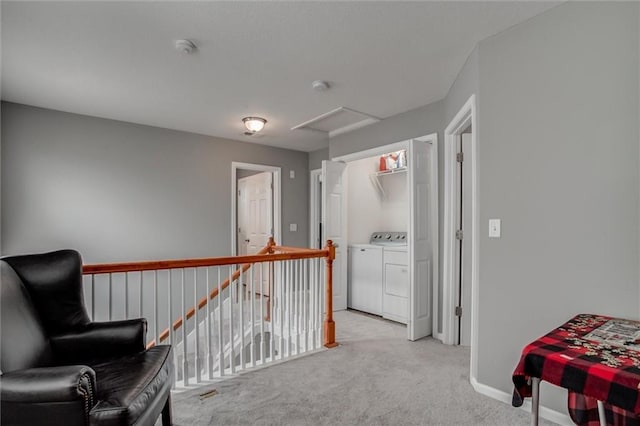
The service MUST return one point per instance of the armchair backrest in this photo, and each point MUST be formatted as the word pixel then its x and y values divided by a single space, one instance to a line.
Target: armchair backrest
pixel 41 296
pixel 54 282
pixel 23 343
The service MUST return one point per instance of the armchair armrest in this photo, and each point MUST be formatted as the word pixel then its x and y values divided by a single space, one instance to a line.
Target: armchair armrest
pixel 49 395
pixel 100 340
pixel 49 384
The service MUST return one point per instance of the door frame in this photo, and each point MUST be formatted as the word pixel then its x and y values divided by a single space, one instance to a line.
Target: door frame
pixel 465 117
pixel 380 150
pixel 277 231
pixel 314 195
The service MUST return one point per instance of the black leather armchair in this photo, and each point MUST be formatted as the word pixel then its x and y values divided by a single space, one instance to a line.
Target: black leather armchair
pixel 60 368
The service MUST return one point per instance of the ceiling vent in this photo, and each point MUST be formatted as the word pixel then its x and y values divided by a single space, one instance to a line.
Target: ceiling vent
pixel 340 120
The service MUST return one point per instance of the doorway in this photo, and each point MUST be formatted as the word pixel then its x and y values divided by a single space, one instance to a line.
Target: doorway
pixel 464 237
pixel 418 225
pixel 460 271
pixel 255 206
pixel 315 209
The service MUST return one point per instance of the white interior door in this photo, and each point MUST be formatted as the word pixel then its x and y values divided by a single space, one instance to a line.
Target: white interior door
pixel 259 210
pixel 334 217
pixel 255 221
pixel 243 217
pixel 421 171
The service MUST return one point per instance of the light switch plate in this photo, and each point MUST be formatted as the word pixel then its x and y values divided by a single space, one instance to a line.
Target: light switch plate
pixel 293 227
pixel 292 174
pixel 494 228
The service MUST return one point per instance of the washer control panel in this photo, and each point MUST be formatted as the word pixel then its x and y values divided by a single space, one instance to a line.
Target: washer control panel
pixel 389 238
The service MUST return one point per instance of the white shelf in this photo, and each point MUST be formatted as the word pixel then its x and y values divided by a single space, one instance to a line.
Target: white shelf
pixel 375 178
pixel 391 171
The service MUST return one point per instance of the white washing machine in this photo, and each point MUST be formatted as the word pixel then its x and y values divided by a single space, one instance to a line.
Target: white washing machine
pixel 365 278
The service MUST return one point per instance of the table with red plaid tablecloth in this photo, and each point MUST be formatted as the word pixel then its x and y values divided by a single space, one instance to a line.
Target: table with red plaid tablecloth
pixel 591 370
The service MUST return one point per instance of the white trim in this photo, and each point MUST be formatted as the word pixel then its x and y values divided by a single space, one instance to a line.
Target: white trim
pixel 277 188
pixel 379 150
pixel 465 117
pixel 547 413
pixel 314 195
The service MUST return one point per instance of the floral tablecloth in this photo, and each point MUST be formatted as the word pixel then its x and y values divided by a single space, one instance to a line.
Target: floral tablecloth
pixel 579 357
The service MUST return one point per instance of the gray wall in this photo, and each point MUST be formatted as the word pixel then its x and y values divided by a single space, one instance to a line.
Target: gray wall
pixel 243 173
pixel 466 84
pixel 558 163
pixel 411 124
pixel 316 157
pixel 558 140
pixel 119 191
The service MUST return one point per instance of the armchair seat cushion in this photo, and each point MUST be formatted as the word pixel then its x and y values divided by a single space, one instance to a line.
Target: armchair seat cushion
pixel 132 387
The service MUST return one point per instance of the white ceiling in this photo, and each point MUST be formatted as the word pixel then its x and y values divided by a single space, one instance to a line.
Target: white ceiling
pixel 116 59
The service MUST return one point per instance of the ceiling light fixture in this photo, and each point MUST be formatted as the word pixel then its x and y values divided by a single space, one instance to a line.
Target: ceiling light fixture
pixel 253 124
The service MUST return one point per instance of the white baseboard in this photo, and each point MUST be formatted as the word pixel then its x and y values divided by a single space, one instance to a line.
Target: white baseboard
pixel 546 413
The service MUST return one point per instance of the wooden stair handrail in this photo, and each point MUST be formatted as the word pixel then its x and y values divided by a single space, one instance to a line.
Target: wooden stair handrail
pixel 110 268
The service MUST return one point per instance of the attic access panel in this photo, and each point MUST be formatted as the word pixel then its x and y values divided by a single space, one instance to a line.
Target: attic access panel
pixel 338 121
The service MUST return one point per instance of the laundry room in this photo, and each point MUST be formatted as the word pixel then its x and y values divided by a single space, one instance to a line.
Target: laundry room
pixel 379 207
pixel 378 217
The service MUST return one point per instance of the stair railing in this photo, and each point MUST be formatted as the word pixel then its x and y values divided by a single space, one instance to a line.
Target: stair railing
pixel 268 307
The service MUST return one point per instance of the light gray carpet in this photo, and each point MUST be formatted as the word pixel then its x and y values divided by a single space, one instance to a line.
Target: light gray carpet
pixel 375 377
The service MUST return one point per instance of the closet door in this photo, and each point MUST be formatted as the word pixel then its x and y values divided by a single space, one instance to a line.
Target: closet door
pixel 334 218
pixel 421 257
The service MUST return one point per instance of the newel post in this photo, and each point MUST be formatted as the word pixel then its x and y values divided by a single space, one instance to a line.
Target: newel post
pixel 329 325
pixel 270 250
pixel 271 244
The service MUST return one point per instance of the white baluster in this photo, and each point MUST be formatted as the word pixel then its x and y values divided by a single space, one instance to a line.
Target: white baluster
pixel 140 314
pixel 240 296
pixel 319 302
pixel 294 306
pixel 272 312
pixel 312 302
pixel 299 306
pixel 110 296
pixel 172 336
pixel 93 297
pixel 281 285
pixel 156 336
pixel 196 326
pixel 208 329
pixel 126 295
pixel 289 309
pixel 169 307
pixel 185 360
pixel 252 318
pixel 220 330
pixel 261 278
pixel 231 337
pixel 305 308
